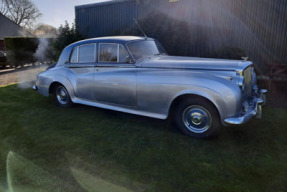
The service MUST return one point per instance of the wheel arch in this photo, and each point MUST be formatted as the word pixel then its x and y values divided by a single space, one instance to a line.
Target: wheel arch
pixel 185 96
pixel 53 86
pixel 66 84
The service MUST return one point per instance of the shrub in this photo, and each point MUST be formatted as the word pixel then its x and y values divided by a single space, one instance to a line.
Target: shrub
pixel 24 50
pixel 20 50
pixel 67 35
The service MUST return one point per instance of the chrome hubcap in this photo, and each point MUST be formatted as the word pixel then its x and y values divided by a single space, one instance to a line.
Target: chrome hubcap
pixel 197 119
pixel 62 95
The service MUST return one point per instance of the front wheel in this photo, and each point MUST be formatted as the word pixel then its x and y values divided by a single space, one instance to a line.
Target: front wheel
pixel 198 118
pixel 62 97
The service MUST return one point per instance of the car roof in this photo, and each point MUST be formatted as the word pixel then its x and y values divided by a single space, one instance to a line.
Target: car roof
pixel 115 39
pixel 111 39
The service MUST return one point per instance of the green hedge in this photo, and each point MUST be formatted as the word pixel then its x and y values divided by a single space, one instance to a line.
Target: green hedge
pixel 21 50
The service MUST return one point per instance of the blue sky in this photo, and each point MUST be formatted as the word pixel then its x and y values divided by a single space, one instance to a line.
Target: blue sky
pixel 55 12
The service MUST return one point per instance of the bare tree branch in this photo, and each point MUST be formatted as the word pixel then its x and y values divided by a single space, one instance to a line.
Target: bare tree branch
pixel 3 7
pixel 23 12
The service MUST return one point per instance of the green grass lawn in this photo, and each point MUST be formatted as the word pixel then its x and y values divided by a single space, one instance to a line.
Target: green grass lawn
pixel 90 149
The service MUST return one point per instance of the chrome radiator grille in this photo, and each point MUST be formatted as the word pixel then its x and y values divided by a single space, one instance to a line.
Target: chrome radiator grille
pixel 248 81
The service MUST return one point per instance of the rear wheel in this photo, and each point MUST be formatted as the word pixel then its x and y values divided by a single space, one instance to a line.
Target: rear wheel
pixel 62 97
pixel 198 118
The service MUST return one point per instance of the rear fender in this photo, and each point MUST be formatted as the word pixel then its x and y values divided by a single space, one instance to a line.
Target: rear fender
pixel 66 83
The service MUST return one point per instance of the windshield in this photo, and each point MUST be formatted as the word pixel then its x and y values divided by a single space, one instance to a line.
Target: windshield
pixel 147 48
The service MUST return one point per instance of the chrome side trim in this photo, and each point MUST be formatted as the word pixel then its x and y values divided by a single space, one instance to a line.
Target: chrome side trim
pixel 119 108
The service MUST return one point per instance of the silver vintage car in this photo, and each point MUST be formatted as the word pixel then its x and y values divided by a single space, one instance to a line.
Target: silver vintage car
pixel 136 75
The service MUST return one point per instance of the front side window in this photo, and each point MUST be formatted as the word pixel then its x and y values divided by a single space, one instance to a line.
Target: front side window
pixel 83 54
pixel 111 52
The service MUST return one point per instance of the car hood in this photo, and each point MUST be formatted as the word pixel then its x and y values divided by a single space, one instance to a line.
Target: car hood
pixel 177 62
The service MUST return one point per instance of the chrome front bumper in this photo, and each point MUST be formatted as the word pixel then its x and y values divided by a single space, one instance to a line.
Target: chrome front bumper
pixel 254 111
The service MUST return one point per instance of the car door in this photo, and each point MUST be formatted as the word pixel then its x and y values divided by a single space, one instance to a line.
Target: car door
pixel 115 76
pixel 81 70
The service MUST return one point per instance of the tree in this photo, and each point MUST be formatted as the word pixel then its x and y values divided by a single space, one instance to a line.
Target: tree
pixel 67 35
pixel 23 12
pixel 46 31
pixel 3 7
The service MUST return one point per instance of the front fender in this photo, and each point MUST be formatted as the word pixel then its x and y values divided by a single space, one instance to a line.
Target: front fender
pixel 224 94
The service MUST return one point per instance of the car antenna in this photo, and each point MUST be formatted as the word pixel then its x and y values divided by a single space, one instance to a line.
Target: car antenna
pixel 140 28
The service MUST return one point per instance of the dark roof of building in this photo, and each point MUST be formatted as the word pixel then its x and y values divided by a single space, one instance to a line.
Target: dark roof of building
pixel 11 29
pixel 105 3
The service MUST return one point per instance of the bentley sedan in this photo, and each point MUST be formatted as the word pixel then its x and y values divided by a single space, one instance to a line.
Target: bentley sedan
pixel 136 75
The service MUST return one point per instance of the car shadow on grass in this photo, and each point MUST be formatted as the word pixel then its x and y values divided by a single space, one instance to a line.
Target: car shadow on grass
pixel 159 124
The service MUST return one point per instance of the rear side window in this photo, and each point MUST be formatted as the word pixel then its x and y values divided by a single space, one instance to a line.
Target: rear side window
pixel 84 54
pixel 87 53
pixel 112 52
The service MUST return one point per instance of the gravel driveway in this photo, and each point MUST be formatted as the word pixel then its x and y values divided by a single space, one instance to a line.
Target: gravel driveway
pixel 23 76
